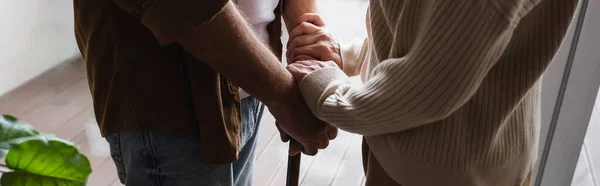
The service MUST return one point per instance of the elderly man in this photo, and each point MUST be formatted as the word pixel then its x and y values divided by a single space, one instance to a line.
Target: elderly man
pixel 164 77
pixel 451 87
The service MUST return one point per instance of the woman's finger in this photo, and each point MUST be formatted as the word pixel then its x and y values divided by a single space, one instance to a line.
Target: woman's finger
pixel 296 72
pixel 316 51
pixel 305 63
pixel 300 41
pixel 309 39
pixel 303 58
pixel 313 18
pixel 304 28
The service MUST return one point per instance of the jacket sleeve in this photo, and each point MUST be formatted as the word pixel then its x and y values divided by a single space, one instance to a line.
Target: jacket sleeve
pixel 172 20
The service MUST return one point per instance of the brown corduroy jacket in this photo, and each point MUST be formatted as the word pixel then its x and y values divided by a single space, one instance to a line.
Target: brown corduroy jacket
pixel 141 79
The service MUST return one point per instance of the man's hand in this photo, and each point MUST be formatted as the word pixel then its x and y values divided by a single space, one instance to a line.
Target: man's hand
pixel 310 40
pixel 260 68
pixel 301 69
pixel 295 119
pixel 332 133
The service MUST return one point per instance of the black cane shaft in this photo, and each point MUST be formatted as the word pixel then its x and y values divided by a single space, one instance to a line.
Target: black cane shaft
pixel 293 169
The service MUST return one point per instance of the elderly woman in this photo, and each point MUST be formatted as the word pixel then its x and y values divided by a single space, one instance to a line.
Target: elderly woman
pixel 451 87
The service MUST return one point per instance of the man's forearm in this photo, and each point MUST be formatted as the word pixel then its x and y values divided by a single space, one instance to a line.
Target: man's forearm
pixel 227 44
pixel 292 9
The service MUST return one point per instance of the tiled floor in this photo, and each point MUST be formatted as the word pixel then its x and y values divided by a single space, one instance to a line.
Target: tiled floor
pixel 588 166
pixel 59 102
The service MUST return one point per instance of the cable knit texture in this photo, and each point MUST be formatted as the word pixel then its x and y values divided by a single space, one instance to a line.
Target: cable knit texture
pixel 451 88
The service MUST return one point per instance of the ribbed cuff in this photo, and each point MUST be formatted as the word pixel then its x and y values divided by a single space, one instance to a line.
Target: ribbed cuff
pixel 319 85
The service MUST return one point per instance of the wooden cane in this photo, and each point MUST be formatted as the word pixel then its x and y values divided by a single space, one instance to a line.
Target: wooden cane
pixel 293 169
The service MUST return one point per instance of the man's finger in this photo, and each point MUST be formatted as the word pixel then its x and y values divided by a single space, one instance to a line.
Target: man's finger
pixel 310 148
pixel 303 28
pixel 284 137
pixel 313 18
pixel 322 144
pixel 332 132
pixel 295 148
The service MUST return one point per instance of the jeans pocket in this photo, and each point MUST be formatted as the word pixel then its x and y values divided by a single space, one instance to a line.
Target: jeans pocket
pixel 252 110
pixel 114 142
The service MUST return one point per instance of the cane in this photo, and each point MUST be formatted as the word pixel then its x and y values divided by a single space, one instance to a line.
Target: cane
pixel 293 169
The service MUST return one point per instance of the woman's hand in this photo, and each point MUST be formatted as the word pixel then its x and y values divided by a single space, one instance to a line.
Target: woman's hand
pixel 301 69
pixel 310 40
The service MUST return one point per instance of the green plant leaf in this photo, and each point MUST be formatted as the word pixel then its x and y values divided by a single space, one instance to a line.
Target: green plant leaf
pixel 21 179
pixel 48 162
pixel 11 130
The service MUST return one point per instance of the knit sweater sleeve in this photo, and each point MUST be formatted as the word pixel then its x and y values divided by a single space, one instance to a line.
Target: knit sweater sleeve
pixel 459 43
pixel 353 56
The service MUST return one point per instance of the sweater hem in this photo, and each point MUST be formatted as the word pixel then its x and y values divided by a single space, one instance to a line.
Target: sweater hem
pixel 409 170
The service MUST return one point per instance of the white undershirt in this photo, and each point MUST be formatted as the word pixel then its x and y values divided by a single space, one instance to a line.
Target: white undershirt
pixel 258 13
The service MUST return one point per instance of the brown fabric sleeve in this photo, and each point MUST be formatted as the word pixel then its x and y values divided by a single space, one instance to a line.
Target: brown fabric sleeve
pixel 172 20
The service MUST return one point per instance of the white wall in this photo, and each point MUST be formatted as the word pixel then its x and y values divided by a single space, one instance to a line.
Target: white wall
pixel 35 35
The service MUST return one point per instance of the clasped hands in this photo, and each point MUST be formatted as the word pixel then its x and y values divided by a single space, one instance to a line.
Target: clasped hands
pixel 309 49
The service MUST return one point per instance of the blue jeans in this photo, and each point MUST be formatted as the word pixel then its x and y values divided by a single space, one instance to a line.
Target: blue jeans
pixel 148 158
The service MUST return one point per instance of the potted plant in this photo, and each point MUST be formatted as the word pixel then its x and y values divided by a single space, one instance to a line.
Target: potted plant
pixel 34 159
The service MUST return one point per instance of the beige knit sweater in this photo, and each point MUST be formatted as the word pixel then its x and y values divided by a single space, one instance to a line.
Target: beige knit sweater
pixel 451 93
